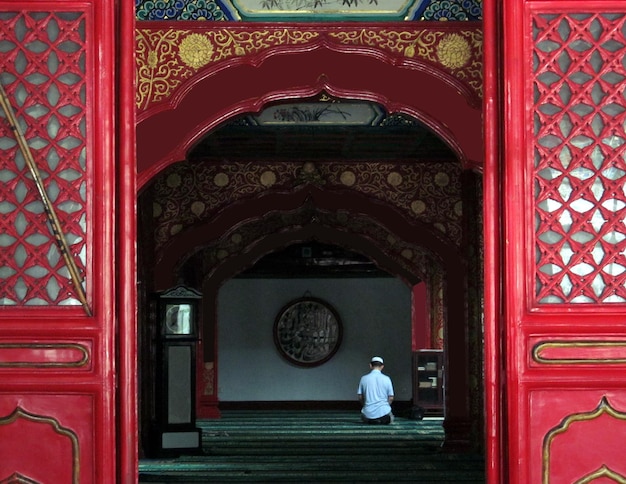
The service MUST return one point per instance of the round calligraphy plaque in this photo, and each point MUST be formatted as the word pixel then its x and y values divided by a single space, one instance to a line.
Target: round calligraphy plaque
pixel 307 331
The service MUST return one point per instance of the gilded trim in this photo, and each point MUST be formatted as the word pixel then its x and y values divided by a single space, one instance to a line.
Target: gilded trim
pixel 603 408
pixel 82 361
pixel 603 471
pixel 19 412
pixel 540 347
pixel 17 478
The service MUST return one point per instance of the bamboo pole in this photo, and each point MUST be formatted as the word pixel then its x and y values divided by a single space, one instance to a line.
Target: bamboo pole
pixel 55 224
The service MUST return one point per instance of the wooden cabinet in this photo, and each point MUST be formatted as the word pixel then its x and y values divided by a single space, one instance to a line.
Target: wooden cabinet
pixel 428 381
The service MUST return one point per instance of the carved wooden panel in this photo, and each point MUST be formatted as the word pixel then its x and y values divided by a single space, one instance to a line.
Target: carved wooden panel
pixel 43 70
pixel 577 433
pixel 55 429
pixel 579 112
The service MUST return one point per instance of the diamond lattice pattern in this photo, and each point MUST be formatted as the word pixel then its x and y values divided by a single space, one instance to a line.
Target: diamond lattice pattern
pixel 579 148
pixel 42 65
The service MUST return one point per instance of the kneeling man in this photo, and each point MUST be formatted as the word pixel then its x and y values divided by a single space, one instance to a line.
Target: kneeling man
pixel 376 394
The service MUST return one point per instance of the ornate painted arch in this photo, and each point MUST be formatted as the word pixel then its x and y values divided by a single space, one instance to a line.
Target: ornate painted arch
pixel 189 82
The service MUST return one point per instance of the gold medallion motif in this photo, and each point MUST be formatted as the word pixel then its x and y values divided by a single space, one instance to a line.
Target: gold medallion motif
pixel 196 50
pixel 197 207
pixel 348 178
pixel 174 180
pixel 442 179
pixel 221 179
pixel 268 178
pixel 454 51
pixel 394 179
pixel 418 206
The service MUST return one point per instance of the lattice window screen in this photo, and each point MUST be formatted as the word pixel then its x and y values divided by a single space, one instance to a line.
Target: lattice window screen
pixel 579 111
pixel 42 62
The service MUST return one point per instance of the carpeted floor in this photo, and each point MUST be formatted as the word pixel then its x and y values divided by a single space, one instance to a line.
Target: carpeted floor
pixel 315 446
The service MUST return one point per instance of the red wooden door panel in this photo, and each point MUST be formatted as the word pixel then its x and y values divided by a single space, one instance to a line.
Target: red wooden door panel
pixel 50 442
pixel 564 174
pixel 57 304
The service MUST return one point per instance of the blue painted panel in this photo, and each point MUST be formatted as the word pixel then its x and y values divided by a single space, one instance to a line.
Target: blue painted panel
pixel 201 10
pixel 450 10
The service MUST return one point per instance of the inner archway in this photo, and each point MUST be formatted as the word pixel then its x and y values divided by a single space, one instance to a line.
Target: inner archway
pixel 211 218
pixel 429 196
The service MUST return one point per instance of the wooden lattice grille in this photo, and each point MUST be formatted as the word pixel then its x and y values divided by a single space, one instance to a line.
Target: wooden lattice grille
pixel 579 111
pixel 43 65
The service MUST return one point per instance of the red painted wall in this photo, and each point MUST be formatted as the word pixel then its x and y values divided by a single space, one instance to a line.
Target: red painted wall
pixel 421 317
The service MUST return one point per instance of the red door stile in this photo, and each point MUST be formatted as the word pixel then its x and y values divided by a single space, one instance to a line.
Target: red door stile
pixel 492 115
pixel 126 405
pixel 57 356
pixel 563 168
pixel 512 182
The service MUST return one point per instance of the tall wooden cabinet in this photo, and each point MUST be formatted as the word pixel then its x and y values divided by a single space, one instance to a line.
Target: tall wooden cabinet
pixel 428 381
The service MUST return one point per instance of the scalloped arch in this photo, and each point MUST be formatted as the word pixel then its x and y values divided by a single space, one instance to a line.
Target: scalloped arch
pixel 166 136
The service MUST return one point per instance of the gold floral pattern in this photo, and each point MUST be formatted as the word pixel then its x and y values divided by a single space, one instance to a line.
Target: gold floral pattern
pixel 416 190
pixel 459 53
pixel 159 70
pixel 167 58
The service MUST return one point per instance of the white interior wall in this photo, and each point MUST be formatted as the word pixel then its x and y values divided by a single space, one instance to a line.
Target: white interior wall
pixel 376 318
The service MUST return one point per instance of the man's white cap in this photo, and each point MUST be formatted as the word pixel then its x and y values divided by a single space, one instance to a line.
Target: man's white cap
pixel 377 359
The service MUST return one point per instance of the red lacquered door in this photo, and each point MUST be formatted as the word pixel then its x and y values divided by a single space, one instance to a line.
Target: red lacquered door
pixel 60 267
pixel 563 175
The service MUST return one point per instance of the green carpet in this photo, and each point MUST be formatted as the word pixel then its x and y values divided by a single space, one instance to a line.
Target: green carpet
pixel 315 446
